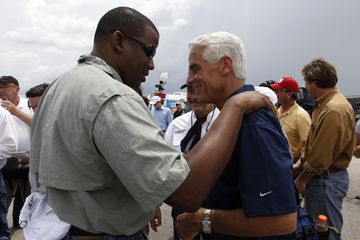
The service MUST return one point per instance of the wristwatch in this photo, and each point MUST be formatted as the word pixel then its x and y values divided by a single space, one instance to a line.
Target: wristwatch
pixel 206 223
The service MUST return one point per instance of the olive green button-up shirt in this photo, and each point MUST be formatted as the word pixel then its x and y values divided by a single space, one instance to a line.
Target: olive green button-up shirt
pixel 99 153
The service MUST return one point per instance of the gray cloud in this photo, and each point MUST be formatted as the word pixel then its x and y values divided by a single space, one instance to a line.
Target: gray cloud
pixel 41 38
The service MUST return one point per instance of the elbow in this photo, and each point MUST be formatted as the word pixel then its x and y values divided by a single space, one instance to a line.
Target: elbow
pixel 290 222
pixel 191 204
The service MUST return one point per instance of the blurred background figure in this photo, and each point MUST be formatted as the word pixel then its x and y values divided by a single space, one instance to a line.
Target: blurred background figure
pixel 8 145
pixel 179 110
pixel 34 95
pixel 162 114
pixel 15 177
pixel 294 120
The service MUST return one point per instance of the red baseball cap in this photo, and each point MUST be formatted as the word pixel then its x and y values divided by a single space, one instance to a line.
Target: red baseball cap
pixel 288 83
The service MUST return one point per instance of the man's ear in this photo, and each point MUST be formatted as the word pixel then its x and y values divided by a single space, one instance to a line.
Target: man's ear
pixel 226 65
pixel 117 40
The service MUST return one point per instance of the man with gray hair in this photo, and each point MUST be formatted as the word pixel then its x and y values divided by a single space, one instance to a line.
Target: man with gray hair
pixel 254 197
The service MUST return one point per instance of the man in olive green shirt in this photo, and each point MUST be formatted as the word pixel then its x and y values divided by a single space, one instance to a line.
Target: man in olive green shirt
pixel 329 147
pixel 98 152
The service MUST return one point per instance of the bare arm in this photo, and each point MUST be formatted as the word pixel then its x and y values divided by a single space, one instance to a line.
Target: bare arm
pixel 209 157
pixel 234 222
pixel 26 118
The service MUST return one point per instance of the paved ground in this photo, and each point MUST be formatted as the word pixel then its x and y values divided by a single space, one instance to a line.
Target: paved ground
pixel 351 212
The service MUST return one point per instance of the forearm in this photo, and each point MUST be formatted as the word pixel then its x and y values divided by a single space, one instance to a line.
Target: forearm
pixel 27 119
pixel 234 222
pixel 302 180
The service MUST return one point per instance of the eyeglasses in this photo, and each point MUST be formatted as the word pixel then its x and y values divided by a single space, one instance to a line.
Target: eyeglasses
pixel 149 50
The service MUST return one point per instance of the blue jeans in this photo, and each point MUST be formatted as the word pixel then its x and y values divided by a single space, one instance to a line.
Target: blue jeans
pixel 137 236
pixel 4 228
pixel 325 195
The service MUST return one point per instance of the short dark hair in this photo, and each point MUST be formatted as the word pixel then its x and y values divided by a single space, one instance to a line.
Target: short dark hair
pixel 321 72
pixel 36 91
pixel 126 20
pixel 9 79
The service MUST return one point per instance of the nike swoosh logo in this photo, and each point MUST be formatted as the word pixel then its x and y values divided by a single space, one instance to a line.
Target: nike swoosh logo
pixel 264 194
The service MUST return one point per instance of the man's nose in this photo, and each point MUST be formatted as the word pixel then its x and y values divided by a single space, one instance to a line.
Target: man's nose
pixel 151 64
pixel 189 79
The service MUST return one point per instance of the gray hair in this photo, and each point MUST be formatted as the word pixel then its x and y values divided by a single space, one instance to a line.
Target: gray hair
pixel 220 44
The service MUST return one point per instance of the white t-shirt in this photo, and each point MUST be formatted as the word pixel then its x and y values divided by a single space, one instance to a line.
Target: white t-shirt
pixel 23 130
pixel 358 127
pixel 8 136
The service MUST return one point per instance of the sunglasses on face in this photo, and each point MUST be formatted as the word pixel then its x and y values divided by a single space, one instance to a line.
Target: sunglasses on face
pixel 149 50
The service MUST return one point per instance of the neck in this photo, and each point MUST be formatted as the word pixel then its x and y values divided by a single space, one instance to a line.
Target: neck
pixel 16 101
pixel 231 85
pixel 286 106
pixel 322 91
pixel 108 58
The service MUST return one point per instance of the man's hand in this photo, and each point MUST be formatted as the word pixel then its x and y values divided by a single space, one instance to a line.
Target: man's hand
pixel 297 167
pixel 357 152
pixel 155 220
pixel 188 225
pixel 24 162
pixel 251 101
pixel 9 106
pixel 300 185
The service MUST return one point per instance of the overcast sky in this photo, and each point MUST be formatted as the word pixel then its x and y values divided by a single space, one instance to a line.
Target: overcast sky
pixel 40 39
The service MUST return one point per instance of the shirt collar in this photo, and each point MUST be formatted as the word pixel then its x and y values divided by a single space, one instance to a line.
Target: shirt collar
pixel 290 110
pixel 208 117
pixel 326 97
pixel 99 63
pixel 244 88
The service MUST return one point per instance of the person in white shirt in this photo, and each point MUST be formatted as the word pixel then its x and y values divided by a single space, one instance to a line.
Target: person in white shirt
pixel 16 179
pixel 8 144
pixel 179 128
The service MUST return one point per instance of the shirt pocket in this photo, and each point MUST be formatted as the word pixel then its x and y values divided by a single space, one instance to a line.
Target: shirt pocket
pixel 178 137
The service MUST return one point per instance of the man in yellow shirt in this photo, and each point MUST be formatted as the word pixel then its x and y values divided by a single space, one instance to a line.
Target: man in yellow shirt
pixel 294 120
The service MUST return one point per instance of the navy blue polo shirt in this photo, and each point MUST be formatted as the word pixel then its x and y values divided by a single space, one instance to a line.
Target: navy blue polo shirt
pixel 258 177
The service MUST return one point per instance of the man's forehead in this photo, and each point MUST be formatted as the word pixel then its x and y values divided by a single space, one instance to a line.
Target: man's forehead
pixel 196 53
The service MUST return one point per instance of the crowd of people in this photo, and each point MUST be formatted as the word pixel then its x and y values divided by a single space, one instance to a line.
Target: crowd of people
pixel 230 168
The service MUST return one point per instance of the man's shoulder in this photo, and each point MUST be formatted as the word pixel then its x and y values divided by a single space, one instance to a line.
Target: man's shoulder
pixel 183 119
pixel 180 124
pixel 259 117
pixel 4 112
pixel 302 112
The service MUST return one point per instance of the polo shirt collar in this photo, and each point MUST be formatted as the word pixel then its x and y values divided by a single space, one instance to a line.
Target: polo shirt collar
pixel 290 111
pixel 244 88
pixel 99 63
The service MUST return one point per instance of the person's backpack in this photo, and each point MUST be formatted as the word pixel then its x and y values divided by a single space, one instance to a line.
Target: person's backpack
pixel 305 229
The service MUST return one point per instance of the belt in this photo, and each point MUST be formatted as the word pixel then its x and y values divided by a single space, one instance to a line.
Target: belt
pixel 328 172
pixel 79 232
